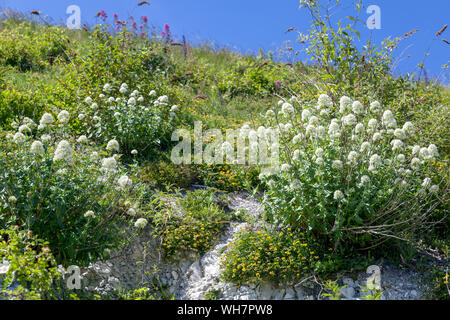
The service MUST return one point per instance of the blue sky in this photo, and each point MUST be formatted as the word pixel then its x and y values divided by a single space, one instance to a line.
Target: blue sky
pixel 247 25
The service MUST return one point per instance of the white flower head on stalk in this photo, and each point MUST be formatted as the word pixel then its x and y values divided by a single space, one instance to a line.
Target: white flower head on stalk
pixel 324 101
pixel 64 117
pixel 285 167
pixel 338 195
pixel 333 130
pixel 377 136
pixel 152 93
pixel 107 88
pixel 400 133
pixel 37 147
pixel 30 123
pixel 113 145
pixel 357 107
pixel 134 152
pixel 349 120
pixel 140 223
pixel 345 104
pixel 401 158
pixel 94 106
pixel 433 151
pixel 396 144
pixel 12 199
pixel 388 120
pixel 337 165
pixel 63 153
pixel 424 154
pixel 174 108
pixel 132 101
pixel 365 179
pixel 287 109
pixel 375 162
pixel 408 127
pixel 415 163
pixel 125 182
pixel 372 125
pixel 375 107
pixel 426 183
pixel 46 120
pixel 82 139
pixel 352 157
pixel 359 128
pixel 365 146
pixel 4 267
pixel 131 212
pixel 305 115
pixel 434 188
pixel 89 214
pixel 135 93
pixel 88 100
pixel 81 116
pixel 109 164
pixel 319 152
pixel 24 129
pixel 19 138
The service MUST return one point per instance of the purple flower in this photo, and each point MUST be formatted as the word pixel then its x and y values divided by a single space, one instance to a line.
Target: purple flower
pixel 144 19
pixel 116 16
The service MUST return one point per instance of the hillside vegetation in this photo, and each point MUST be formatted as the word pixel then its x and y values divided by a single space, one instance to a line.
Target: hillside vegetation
pixel 86 120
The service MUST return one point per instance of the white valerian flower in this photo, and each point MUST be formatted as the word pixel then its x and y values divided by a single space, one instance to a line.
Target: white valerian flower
pixel 134 152
pixel 24 129
pixel 107 87
pixel 333 130
pixel 295 184
pixel 109 164
pixel 94 106
pixel 89 214
pixel 415 163
pixel 401 158
pixel 349 120
pixel 352 156
pixel 313 120
pixel 408 127
pixel 123 90
pixel 132 101
pixel 140 223
pixel 357 107
pixel 319 161
pixel 111 100
pixel 426 182
pixel 134 93
pixel 365 179
pixel 37 147
pixel 19 137
pixel 125 182
pixel 124 85
pixel 396 144
pixel 12 199
pixel 81 116
pixel 287 109
pixel 270 113
pixel 9 136
pixel 296 155
pixel 140 99
pixel 365 146
pixel 377 136
pixel 46 137
pixel 337 165
pixel 424 153
pixel 112 145
pixel 131 212
pixel 400 133
pixel 64 117
pixel 320 132
pixel 359 128
pixel 324 112
pixel 152 93
pixel 415 150
pixel 29 122
pixel 434 188
pixel 375 162
pixel 338 195
pixel 46 120
pixel 345 104
pixel 285 167
pixel 388 120
pixel 82 139
pixel 305 115
pixel 63 152
pixel 163 99
pixel 324 101
pixel 88 100
pixel 433 151
pixel 375 107
pixel 372 124
pixel 310 130
pixel 4 267
pixel 174 108
pixel 94 156
pixel 319 152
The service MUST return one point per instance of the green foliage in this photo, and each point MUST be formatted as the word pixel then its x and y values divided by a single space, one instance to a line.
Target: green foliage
pixel 161 174
pixel 438 283
pixel 192 224
pixel 27 266
pixel 58 189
